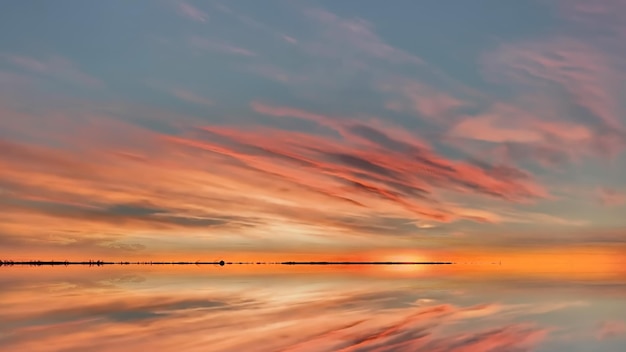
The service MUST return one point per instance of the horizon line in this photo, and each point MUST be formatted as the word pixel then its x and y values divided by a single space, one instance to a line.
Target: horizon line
pixel 219 263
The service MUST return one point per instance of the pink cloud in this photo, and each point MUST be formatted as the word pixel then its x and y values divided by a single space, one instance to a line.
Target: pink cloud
pixel 289 39
pixel 565 131
pixel 484 128
pixel 610 197
pixel 580 70
pixel 192 12
pixel 610 329
pixel 532 129
pixel 417 98
pixel 508 123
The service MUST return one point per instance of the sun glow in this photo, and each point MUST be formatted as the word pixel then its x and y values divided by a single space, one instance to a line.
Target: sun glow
pixel 402 257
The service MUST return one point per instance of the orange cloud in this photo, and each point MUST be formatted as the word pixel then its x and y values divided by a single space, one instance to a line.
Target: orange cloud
pixel 372 182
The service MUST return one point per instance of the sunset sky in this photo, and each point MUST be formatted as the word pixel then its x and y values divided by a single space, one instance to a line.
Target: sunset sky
pixel 376 130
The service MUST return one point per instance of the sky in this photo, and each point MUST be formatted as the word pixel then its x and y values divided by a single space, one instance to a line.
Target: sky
pixel 312 129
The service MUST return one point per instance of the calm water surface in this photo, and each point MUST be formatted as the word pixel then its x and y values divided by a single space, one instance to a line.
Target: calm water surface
pixel 260 308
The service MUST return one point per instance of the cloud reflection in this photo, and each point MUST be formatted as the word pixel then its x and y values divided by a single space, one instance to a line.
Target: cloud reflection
pixel 195 310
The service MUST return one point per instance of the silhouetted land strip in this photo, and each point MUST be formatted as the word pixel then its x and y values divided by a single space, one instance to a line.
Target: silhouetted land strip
pixel 220 263
pixel 101 263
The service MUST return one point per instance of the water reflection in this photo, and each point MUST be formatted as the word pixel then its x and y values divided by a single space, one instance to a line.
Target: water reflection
pixel 309 309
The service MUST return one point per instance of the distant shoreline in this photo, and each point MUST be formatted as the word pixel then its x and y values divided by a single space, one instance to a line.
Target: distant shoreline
pixel 219 263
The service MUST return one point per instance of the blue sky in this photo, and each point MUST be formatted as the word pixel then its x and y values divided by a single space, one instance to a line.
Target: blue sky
pixel 150 126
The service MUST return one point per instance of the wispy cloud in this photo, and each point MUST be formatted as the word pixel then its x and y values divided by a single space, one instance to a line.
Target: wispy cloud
pixel 53 66
pixel 583 73
pixel 610 329
pixel 289 39
pixel 532 130
pixel 421 100
pixel 276 74
pixel 219 46
pixel 191 97
pixel 610 197
pixel 356 35
pixel 599 20
pixel 192 12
